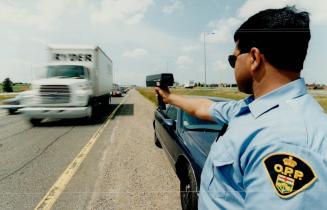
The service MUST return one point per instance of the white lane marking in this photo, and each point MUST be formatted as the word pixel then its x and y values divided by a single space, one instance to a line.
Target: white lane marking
pixel 59 186
pixel 113 133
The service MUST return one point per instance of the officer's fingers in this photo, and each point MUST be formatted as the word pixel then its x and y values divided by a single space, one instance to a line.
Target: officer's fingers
pixel 161 91
pixel 157 91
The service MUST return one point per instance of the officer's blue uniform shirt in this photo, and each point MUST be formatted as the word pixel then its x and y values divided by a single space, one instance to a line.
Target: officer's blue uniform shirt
pixel 272 156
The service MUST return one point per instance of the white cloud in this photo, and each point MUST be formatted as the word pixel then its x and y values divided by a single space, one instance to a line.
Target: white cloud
pixel 317 8
pixel 221 66
pixel 21 70
pixel 222 30
pixel 42 14
pixel 30 25
pixel 184 62
pixel 10 13
pixel 219 71
pixel 125 11
pixel 136 53
pixel 175 6
pixel 29 42
pixel 190 48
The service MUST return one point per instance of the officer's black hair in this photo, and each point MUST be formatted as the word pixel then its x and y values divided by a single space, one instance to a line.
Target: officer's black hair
pixel 282 35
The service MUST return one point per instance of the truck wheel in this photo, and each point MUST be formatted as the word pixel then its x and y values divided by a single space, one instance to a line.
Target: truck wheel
pixel 188 190
pixel 35 122
pixel 92 111
pixel 107 100
pixel 156 140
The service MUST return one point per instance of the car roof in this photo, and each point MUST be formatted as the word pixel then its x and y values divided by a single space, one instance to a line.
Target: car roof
pixel 212 98
pixel 215 99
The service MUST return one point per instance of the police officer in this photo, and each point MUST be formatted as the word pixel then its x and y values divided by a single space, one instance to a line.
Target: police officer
pixel 274 152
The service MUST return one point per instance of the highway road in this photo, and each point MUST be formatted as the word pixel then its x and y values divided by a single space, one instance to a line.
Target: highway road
pixel 121 170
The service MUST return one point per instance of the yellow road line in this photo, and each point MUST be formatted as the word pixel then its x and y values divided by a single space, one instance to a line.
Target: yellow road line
pixel 59 186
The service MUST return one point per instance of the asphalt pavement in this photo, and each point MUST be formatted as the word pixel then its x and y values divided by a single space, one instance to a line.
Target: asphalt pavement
pixel 124 170
pixel 32 158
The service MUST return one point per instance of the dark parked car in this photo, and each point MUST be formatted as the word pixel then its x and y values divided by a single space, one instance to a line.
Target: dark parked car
pixel 186 141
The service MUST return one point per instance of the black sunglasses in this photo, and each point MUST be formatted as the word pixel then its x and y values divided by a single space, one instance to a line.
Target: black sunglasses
pixel 232 60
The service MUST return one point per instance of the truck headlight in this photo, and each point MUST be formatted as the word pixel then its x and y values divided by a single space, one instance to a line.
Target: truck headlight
pixel 84 87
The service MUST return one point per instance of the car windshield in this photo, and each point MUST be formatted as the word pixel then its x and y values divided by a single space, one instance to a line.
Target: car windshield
pixel 67 71
pixel 193 123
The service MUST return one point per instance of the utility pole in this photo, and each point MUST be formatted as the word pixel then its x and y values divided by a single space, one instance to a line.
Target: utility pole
pixel 205 59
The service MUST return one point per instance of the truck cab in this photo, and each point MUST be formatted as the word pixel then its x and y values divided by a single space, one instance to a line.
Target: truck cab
pixel 77 80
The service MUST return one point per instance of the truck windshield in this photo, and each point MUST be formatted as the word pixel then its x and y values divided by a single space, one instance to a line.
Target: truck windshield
pixel 67 71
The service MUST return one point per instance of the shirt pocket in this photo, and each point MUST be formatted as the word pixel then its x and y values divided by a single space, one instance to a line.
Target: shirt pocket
pixel 221 165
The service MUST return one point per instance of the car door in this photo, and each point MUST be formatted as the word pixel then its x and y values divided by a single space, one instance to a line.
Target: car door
pixel 169 130
pixel 159 118
pixel 198 141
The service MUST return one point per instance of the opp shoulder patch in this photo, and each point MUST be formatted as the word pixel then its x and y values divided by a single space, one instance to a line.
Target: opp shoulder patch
pixel 288 174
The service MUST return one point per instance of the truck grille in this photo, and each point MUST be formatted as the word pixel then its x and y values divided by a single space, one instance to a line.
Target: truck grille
pixel 54 94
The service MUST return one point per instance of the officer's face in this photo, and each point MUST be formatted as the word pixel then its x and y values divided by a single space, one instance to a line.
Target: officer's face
pixel 242 72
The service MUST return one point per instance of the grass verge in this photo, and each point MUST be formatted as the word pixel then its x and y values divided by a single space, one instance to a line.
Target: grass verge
pixel 17 87
pixel 3 97
pixel 230 93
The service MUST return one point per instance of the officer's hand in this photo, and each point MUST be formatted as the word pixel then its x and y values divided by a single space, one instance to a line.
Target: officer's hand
pixel 165 94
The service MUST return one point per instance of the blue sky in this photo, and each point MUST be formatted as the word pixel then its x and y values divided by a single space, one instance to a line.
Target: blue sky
pixel 144 36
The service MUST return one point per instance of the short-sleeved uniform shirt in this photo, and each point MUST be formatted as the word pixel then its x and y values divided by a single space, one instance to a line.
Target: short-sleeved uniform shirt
pixel 272 156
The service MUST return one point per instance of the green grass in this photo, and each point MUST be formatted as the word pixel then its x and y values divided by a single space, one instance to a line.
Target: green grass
pixel 21 87
pixel 3 97
pixel 230 93
pixel 148 93
pixel 322 101
pixel 18 87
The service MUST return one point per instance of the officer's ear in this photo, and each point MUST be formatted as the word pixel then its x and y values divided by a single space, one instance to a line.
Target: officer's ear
pixel 255 58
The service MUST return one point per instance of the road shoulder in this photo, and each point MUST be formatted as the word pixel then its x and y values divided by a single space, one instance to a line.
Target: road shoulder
pixel 125 170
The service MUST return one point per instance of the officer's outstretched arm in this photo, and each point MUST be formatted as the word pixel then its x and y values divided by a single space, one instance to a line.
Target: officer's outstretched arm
pixel 194 106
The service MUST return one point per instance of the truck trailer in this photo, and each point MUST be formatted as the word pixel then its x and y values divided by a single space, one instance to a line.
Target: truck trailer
pixel 189 84
pixel 79 78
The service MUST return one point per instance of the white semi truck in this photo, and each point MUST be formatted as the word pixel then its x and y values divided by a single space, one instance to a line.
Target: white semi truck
pixel 189 84
pixel 78 79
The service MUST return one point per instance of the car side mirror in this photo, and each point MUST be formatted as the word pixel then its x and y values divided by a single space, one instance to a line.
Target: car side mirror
pixel 170 123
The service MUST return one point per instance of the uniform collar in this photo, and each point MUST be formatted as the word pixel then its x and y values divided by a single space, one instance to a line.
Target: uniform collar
pixel 266 102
